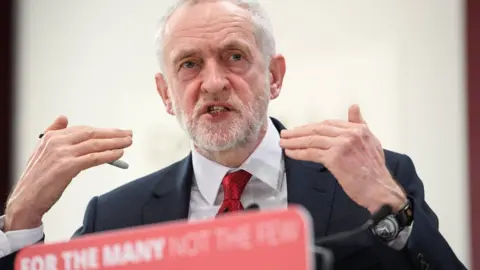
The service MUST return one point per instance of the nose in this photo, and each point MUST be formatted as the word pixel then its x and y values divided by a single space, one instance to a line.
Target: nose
pixel 214 78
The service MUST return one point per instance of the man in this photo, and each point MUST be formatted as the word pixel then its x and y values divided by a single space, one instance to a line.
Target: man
pixel 219 72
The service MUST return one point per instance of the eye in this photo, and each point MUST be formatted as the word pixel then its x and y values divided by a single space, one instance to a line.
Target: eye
pixel 236 57
pixel 188 64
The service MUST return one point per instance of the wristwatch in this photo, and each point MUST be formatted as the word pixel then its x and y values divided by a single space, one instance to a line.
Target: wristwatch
pixel 389 228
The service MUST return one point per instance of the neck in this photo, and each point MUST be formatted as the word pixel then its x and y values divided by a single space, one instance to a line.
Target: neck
pixel 234 157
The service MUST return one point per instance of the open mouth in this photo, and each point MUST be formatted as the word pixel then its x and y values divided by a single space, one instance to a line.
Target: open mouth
pixel 213 110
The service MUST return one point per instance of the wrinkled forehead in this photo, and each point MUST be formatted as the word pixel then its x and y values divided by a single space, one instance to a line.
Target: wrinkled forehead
pixel 203 12
pixel 207 24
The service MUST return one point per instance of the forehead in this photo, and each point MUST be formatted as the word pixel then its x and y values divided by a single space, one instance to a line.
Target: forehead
pixel 207 25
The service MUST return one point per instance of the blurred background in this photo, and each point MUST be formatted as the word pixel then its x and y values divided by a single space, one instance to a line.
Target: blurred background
pixel 411 65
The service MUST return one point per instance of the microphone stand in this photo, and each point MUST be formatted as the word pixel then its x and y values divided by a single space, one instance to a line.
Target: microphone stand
pixel 327 257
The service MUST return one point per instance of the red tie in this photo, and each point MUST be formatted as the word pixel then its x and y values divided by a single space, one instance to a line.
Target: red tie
pixel 233 185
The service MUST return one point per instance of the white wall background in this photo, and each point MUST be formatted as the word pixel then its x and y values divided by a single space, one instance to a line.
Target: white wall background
pixel 400 60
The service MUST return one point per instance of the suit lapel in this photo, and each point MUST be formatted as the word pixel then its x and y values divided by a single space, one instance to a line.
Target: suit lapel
pixel 170 198
pixel 311 186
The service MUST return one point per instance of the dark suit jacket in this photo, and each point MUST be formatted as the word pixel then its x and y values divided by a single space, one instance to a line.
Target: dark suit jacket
pixel 164 196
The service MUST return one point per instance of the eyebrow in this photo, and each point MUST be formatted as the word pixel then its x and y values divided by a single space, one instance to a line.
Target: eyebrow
pixel 236 44
pixel 229 44
pixel 184 53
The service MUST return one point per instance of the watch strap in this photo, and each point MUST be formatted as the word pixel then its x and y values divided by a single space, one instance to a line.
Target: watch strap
pixel 404 217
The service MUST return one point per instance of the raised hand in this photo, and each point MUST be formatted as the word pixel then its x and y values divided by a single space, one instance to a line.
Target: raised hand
pixel 352 154
pixel 60 156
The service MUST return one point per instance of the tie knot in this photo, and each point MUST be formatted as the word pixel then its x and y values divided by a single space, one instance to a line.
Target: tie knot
pixel 234 183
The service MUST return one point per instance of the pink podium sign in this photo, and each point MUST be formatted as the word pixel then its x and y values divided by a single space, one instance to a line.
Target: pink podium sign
pixel 277 239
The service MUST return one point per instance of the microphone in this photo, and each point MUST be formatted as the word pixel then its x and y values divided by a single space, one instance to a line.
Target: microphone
pixel 381 214
pixel 327 255
pixel 253 206
pixel 378 216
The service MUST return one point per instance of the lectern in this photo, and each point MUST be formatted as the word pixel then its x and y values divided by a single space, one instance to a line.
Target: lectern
pixel 280 239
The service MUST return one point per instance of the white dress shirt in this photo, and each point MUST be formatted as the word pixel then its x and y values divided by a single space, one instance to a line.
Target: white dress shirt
pixel 267 188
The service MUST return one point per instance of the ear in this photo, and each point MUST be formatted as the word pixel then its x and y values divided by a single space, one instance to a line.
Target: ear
pixel 162 89
pixel 277 73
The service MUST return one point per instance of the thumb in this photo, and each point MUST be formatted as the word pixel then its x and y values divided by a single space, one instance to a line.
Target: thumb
pixel 355 116
pixel 60 123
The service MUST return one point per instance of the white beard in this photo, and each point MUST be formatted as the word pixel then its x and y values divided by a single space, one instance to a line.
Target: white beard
pixel 243 128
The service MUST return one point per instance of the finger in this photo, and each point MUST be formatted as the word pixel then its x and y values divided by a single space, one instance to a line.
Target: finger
pixel 309 154
pixel 76 129
pixel 94 159
pixel 60 123
pixel 313 129
pixel 330 122
pixel 87 133
pixel 312 141
pixel 100 145
pixel 355 115
pixel 74 135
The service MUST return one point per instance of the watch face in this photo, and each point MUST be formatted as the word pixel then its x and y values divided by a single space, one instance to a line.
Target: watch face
pixel 387 228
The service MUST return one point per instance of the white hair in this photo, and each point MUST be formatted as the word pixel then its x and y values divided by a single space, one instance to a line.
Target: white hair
pixel 260 20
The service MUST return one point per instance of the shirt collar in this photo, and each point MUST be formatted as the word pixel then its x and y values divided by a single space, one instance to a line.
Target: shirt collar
pixel 264 163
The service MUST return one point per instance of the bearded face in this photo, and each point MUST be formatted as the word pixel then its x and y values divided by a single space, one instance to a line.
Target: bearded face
pixel 219 84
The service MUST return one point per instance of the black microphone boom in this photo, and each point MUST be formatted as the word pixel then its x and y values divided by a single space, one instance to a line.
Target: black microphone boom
pixel 381 214
pixel 378 216
pixel 252 206
pixel 327 257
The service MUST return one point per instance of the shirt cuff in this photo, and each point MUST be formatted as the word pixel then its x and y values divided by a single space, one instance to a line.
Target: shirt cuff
pixel 402 238
pixel 15 240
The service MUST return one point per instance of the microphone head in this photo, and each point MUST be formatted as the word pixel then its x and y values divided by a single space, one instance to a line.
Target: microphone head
pixel 381 214
pixel 252 206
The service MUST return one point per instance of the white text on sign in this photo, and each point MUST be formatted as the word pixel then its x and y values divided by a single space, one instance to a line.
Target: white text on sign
pixel 241 236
